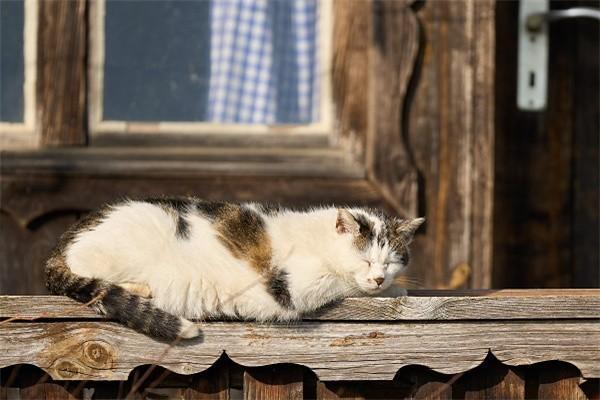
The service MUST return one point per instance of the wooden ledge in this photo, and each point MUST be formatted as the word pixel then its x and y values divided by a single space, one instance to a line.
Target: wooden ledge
pixel 358 339
pixel 419 305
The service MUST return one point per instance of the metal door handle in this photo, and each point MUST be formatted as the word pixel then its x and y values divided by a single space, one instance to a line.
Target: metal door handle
pixel 532 74
pixel 535 21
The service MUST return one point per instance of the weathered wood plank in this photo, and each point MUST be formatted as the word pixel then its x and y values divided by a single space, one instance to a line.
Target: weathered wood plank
pixel 278 382
pixel 395 44
pixel 451 134
pixel 323 162
pixel 334 351
pixel 350 75
pixel 519 306
pixel 480 166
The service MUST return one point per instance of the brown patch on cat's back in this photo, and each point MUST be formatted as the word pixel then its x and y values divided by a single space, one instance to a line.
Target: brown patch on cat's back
pixel 242 230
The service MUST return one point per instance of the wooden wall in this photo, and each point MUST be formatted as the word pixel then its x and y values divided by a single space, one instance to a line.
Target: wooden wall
pixel 413 87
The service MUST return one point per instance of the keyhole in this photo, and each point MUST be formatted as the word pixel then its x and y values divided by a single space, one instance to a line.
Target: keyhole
pixel 531 79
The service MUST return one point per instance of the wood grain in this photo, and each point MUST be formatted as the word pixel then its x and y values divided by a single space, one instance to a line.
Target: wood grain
pixel 278 382
pixel 334 351
pixel 569 305
pixel 451 134
pixel 395 43
pixel 62 72
pixel 350 71
pixel 559 381
pixel 481 164
pixel 45 391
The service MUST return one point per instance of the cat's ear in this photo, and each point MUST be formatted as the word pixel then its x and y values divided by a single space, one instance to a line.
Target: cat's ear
pixel 345 222
pixel 406 228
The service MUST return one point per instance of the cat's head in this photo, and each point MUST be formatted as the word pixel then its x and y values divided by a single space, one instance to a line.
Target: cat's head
pixel 379 245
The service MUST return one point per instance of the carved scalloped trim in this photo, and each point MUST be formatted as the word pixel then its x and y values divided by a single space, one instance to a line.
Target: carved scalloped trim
pixel 67 374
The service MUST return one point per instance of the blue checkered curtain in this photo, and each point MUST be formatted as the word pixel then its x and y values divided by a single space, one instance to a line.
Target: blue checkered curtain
pixel 263 62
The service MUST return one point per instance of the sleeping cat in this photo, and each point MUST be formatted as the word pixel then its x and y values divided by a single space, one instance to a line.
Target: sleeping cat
pixel 155 263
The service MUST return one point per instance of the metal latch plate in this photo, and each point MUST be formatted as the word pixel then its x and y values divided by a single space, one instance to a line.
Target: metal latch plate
pixel 532 74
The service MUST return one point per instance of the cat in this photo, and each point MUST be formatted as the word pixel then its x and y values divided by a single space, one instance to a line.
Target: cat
pixel 154 264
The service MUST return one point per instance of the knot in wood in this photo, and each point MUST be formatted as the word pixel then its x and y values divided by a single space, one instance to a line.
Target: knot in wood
pixel 98 354
pixel 67 369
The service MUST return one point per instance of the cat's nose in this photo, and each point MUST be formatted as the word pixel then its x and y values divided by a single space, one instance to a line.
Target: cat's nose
pixel 379 281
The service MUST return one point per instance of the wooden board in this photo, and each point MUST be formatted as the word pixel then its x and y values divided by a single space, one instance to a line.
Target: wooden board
pixel 451 136
pixel 514 305
pixel 357 339
pixel 334 351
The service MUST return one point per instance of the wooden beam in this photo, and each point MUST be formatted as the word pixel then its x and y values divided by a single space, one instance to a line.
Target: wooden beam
pixel 88 350
pixel 451 132
pixel 513 305
pixel 62 72
pixel 394 38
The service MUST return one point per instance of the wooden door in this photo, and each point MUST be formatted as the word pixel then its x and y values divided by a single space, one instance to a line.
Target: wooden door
pixel 412 87
pixel 546 198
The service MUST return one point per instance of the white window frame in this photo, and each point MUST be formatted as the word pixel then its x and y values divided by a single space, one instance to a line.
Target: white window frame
pixel 99 127
pixel 24 134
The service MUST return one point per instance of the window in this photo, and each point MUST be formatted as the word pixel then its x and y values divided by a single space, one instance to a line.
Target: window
pixel 210 67
pixel 18 31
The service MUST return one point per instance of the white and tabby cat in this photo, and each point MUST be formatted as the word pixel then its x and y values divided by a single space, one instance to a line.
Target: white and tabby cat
pixel 157 262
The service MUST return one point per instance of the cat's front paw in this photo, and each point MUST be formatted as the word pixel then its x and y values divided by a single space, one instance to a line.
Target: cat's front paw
pixel 188 329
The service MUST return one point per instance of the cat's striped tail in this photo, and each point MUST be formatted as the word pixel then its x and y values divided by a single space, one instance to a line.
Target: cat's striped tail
pixel 117 303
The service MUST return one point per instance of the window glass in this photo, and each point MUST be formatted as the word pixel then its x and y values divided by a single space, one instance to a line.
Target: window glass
pixel 12 77
pixel 230 61
pixel 156 64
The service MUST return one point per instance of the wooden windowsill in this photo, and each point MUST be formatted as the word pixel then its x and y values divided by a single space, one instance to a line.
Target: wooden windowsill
pixel 357 339
pixel 322 162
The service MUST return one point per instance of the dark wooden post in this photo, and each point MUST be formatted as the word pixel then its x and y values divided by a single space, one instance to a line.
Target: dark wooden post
pixel 279 382
pixel 62 72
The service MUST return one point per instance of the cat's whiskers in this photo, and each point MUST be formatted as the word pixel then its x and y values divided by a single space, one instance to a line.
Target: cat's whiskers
pixel 409 282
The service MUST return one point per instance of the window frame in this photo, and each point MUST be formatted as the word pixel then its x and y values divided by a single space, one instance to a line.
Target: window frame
pixel 19 134
pixel 106 131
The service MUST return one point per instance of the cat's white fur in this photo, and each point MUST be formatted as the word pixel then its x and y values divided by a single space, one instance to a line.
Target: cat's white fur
pixel 199 277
